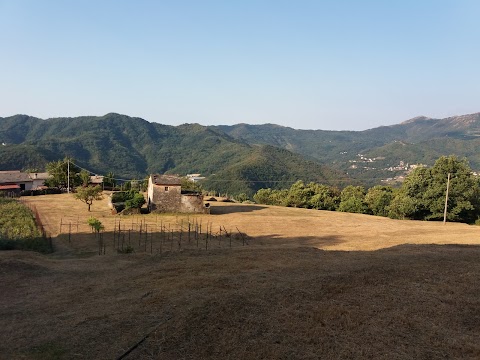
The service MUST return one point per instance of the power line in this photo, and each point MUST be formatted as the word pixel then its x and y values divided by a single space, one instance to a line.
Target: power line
pixel 345 180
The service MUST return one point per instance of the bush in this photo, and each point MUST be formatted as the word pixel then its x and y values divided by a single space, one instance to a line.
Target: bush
pixel 136 202
pixel 48 191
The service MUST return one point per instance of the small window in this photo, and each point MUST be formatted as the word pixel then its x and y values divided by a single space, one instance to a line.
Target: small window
pixel 166 188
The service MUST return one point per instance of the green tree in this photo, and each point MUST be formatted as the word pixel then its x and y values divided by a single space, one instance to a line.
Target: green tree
pixel 88 194
pixel 263 196
pixel 190 185
pixel 402 207
pixel 299 194
pixel 95 224
pixel 84 177
pixel 136 202
pixel 463 190
pixel 58 171
pixel 241 197
pixel 378 199
pixel 352 199
pixel 109 180
pixel 325 198
pixel 422 195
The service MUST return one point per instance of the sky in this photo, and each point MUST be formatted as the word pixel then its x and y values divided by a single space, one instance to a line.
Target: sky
pixel 330 65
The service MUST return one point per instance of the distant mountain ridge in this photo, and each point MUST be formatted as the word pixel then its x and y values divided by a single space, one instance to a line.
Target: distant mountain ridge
pixel 238 156
pixel 133 147
pixel 423 140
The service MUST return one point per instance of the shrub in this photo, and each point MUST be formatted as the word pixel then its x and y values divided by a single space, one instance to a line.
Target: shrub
pixel 136 202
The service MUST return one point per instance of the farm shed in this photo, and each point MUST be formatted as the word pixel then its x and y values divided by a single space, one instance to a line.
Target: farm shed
pixel 165 195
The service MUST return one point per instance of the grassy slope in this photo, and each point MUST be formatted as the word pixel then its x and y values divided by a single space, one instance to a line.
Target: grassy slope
pixel 301 303
pixel 279 297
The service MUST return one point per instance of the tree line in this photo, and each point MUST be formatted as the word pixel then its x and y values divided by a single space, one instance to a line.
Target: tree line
pixel 420 197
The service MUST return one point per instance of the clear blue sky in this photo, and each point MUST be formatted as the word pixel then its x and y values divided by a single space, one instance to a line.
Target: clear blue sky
pixel 330 65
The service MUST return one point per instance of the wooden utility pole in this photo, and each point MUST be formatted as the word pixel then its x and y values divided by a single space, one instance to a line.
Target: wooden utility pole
pixel 446 201
pixel 68 176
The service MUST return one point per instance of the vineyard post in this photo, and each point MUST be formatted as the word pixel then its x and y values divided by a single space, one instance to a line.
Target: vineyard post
pixel 146 237
pixel 123 238
pixel 180 236
pixel 140 236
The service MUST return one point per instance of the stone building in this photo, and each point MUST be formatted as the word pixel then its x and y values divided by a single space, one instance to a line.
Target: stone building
pixel 165 195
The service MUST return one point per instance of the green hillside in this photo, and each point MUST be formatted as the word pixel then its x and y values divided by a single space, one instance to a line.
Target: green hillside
pixel 132 148
pixel 240 157
pixel 419 140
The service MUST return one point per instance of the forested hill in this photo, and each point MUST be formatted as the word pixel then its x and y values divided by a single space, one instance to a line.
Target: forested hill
pixel 132 148
pixel 239 157
pixel 419 140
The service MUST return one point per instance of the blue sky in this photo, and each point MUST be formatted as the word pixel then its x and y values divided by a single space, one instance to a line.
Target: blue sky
pixel 333 65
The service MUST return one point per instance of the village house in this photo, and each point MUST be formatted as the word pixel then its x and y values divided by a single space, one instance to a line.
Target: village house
pixel 165 194
pixel 14 181
pixel 38 180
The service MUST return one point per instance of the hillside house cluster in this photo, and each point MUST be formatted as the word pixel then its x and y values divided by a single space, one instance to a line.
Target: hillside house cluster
pixel 15 181
pixel 165 194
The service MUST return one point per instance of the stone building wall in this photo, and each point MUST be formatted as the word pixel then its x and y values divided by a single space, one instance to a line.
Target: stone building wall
pixel 165 198
pixel 193 203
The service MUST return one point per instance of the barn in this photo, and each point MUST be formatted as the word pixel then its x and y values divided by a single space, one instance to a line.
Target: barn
pixel 165 195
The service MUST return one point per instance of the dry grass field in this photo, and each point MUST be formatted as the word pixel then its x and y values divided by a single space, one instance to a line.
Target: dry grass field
pixel 401 290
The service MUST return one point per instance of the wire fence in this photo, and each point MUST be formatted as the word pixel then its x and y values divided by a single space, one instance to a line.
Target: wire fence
pixel 138 235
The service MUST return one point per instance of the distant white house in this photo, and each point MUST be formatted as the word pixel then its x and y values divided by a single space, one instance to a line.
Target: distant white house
pixel 195 177
pixel 38 180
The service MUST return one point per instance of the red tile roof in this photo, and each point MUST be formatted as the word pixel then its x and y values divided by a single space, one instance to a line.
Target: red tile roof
pixel 9 187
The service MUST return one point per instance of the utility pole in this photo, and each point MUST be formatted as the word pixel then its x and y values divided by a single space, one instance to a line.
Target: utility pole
pixel 68 175
pixel 446 201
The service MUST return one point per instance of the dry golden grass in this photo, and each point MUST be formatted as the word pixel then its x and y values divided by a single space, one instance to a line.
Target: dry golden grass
pixel 271 225
pixel 408 302
pixel 281 297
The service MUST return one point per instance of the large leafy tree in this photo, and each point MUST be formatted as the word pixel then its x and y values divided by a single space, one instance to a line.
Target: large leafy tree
pixel 84 177
pixel 352 199
pixel 59 170
pixel 325 198
pixel 378 199
pixel 422 195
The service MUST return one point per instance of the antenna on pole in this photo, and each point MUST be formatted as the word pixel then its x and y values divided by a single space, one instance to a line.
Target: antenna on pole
pixel 68 175
pixel 446 201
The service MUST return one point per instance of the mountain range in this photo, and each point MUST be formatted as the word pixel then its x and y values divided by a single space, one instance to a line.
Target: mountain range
pixel 237 158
